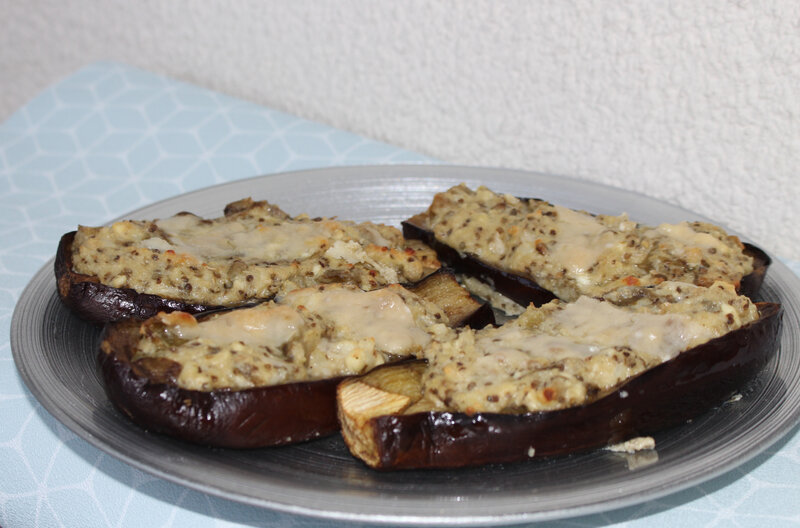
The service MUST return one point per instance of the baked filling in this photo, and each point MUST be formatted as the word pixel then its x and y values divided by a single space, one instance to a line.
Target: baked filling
pixel 630 298
pixel 573 253
pixel 309 334
pixel 566 354
pixel 254 252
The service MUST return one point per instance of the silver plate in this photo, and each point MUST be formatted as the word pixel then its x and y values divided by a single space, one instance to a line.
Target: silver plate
pixel 54 352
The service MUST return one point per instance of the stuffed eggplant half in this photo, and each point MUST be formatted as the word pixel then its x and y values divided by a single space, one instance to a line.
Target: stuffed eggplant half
pixel 254 252
pixel 267 374
pixel 561 378
pixel 520 250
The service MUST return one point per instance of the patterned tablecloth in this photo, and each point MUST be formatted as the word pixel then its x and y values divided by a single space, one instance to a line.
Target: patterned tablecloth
pixel 109 139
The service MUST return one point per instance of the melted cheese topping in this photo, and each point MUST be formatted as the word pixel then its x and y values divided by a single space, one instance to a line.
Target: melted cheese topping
pixel 580 243
pixel 381 315
pixel 252 253
pixel 581 329
pixel 573 253
pixel 685 235
pixel 602 324
pixel 313 333
pixel 511 345
pixel 564 354
pixel 282 242
pixel 266 325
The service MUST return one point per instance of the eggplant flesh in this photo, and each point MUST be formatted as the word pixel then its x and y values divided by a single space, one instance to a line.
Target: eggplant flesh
pixel 524 290
pixel 462 309
pixel 667 395
pixel 274 415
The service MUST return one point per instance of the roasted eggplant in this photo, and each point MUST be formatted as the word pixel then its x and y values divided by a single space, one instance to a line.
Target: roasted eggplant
pixel 390 415
pixel 255 251
pixel 389 422
pixel 216 400
pixel 532 252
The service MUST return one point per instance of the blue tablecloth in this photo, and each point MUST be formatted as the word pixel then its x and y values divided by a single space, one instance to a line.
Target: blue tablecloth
pixel 111 138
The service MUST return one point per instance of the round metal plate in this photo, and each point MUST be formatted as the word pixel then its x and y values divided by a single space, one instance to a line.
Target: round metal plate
pixel 54 352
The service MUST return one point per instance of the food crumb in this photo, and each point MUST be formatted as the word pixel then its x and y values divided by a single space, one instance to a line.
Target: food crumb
pixel 640 443
pixel 735 398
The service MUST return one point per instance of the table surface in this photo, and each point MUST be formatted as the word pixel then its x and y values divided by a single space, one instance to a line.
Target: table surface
pixel 111 138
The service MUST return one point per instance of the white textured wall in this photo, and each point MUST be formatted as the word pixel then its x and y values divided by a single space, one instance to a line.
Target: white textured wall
pixel 694 102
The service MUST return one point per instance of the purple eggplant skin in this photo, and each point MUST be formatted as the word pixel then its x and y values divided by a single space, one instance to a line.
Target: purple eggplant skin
pixel 99 303
pixel 250 418
pixel 751 283
pixel 668 395
pixel 525 291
